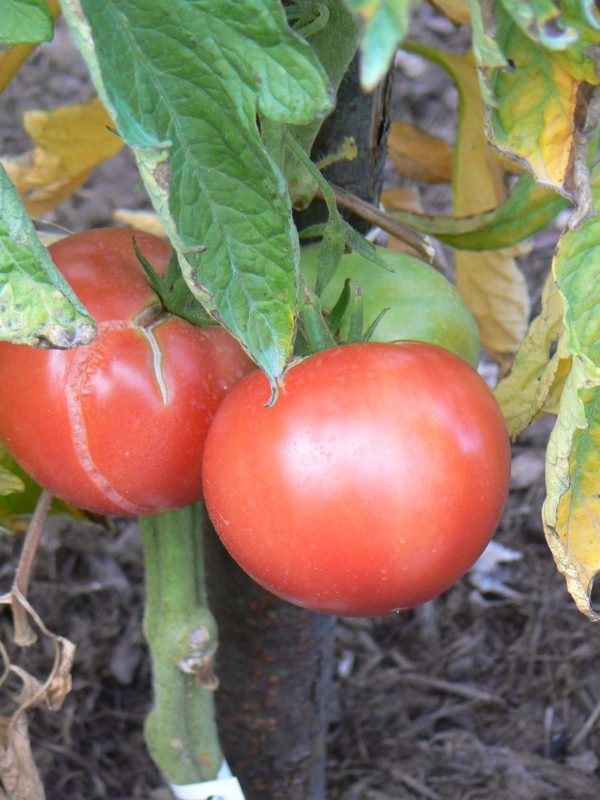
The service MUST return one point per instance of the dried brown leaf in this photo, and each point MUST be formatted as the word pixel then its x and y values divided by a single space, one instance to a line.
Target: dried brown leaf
pixel 18 773
pixel 418 155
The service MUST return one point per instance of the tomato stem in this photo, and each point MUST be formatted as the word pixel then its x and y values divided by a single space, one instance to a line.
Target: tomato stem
pixel 181 732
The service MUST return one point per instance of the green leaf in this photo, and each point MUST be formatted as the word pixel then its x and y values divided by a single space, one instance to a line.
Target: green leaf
pixel 580 58
pixel 528 209
pixel 37 306
pixel 385 23
pixel 25 21
pixel 543 22
pixel 9 482
pixel 330 254
pixel 577 270
pixel 184 82
pixel 485 47
pixel 19 494
pixel 335 44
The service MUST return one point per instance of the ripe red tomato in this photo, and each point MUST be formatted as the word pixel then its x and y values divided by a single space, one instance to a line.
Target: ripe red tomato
pixel 374 482
pixel 117 427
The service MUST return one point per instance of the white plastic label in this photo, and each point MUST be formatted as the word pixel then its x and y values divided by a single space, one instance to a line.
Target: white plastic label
pixel 224 787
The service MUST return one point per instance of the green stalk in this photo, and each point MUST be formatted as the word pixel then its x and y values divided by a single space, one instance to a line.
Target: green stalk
pixel 180 731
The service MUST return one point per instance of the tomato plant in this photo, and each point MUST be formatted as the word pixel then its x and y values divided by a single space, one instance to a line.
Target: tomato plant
pixel 421 303
pixel 117 426
pixel 373 484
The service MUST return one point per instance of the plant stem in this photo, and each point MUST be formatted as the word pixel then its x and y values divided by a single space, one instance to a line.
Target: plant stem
pixel 382 220
pixel 181 732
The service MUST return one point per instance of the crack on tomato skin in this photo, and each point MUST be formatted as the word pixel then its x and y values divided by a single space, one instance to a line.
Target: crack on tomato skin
pixel 157 360
pixel 76 378
pixel 151 316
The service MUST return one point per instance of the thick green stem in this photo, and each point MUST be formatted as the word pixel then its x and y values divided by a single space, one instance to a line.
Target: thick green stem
pixel 181 732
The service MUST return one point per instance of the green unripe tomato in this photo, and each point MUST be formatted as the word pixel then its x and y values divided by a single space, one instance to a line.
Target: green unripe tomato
pixel 423 305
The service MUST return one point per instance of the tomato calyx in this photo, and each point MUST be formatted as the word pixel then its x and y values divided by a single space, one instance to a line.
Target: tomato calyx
pixel 172 291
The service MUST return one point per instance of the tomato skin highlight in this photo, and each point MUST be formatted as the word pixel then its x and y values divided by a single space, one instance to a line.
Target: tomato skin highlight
pixel 374 482
pixel 118 426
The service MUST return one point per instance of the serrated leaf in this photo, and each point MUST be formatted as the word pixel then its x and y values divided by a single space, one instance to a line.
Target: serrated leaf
pixel 9 482
pixel 184 82
pixel 571 510
pixel 572 507
pixel 534 104
pixel 542 21
pixel 534 373
pixel 487 52
pixel 335 44
pixel 385 23
pixel 528 209
pixel 37 306
pixel 490 282
pixel 70 142
pixel 25 21
pixel 581 57
pixel 577 270
pixel 418 155
pixel 554 378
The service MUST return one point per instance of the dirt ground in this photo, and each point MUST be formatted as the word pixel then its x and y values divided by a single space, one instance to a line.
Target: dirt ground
pixel 488 693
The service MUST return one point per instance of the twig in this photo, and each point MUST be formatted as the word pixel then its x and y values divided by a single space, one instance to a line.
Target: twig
pixel 459 689
pixel 415 785
pixel 587 726
pixel 376 217
pixel 24 634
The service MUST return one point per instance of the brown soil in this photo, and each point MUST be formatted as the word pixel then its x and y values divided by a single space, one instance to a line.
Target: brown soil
pixel 479 694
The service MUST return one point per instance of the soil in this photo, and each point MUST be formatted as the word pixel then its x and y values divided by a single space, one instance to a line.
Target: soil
pixel 490 691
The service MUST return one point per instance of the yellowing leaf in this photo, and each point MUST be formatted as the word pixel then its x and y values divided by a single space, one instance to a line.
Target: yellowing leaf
pixel 384 25
pixel 534 105
pixel 457 11
pixel 490 282
pixel 13 57
pixel 405 198
pixel 70 142
pixel 146 221
pixel 493 287
pixel 580 57
pixel 571 511
pixel 554 378
pixel 402 198
pixel 418 155
pixel 525 392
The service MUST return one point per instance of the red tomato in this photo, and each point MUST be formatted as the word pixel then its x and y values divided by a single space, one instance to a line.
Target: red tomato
pixel 373 484
pixel 117 427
